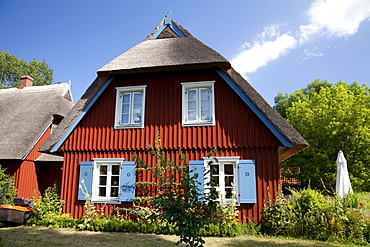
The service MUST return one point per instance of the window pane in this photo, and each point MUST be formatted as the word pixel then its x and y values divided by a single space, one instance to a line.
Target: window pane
pixel 126 99
pixel 137 108
pixel 103 169
pixel 215 169
pixel 205 93
pixel 205 116
pixel 215 181
pixel 102 180
pixel 229 193
pixel 124 118
pixel 192 116
pixel 102 191
pixel 125 108
pixel 138 97
pixel 115 169
pixel 192 105
pixel 115 180
pixel 229 169
pixel 114 192
pixel 192 95
pixel 205 105
pixel 229 180
pixel 137 118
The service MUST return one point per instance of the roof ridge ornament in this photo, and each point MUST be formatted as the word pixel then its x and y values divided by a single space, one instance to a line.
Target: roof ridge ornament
pixel 168 18
pixel 168 22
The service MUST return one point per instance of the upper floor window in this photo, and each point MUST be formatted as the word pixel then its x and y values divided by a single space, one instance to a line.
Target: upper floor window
pixel 198 103
pixel 130 107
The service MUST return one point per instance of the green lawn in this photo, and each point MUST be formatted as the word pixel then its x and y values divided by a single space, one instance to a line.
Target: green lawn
pixel 50 237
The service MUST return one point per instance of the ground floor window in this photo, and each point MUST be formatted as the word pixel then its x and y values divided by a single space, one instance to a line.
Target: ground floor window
pixel 107 180
pixel 223 177
pixel 233 179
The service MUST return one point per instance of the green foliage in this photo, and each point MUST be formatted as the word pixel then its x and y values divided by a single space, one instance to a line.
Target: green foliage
pixel 90 211
pixel 7 188
pixel 309 214
pixel 180 204
pixel 12 67
pixel 284 101
pixel 46 207
pixel 331 117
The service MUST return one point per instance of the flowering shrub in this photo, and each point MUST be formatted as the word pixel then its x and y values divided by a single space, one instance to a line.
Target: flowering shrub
pixel 180 204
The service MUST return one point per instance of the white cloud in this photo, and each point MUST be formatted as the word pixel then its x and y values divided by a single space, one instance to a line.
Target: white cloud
pixel 310 53
pixel 340 18
pixel 331 18
pixel 264 50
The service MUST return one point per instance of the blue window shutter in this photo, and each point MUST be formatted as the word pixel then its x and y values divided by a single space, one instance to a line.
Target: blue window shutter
pixel 86 168
pixel 127 181
pixel 197 167
pixel 247 181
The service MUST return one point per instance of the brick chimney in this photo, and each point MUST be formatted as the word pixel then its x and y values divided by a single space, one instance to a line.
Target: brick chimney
pixel 25 81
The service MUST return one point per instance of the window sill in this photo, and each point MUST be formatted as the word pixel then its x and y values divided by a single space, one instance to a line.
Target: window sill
pixel 128 127
pixel 106 202
pixel 197 124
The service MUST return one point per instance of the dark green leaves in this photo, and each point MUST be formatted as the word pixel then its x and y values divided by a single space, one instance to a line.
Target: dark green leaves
pixel 11 68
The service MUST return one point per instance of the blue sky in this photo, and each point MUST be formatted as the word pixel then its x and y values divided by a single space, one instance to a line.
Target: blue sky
pixel 278 46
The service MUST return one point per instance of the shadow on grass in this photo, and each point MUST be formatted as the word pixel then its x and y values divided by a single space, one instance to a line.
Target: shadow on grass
pixel 266 242
pixel 48 237
pixel 34 236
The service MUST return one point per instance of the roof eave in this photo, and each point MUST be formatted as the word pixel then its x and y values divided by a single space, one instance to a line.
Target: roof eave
pixel 287 152
pixel 222 65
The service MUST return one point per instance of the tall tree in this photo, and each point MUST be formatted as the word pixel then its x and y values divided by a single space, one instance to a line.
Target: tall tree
pixel 12 67
pixel 333 117
pixel 284 101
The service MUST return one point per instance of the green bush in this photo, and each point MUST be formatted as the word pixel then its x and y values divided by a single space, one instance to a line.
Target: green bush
pixel 181 203
pixel 311 215
pixel 47 209
pixel 55 221
pixel 7 188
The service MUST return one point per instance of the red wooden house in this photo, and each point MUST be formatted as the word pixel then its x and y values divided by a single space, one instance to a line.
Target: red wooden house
pixel 28 115
pixel 173 84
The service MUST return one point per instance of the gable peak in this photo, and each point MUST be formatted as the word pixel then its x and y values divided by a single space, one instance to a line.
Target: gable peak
pixel 168 28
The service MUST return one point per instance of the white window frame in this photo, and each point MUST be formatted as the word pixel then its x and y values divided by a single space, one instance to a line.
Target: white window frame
pixel 186 86
pixel 221 189
pixel 95 180
pixel 120 91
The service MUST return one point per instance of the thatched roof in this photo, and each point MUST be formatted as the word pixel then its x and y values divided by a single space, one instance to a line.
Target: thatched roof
pixel 49 158
pixel 26 113
pixel 166 52
pixel 169 47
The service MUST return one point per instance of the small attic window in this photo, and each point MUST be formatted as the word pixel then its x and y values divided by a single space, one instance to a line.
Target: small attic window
pixel 130 107
pixel 198 103
pixel 57 119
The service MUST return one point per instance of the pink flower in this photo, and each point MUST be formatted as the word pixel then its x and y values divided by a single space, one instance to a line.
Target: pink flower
pixel 362 204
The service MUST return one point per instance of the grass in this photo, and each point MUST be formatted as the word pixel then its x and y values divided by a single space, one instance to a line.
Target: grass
pixel 48 237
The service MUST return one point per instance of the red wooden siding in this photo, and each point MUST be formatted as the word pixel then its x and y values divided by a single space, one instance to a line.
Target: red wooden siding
pixel 238 132
pixel 236 125
pixel 29 178
pixel 266 171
